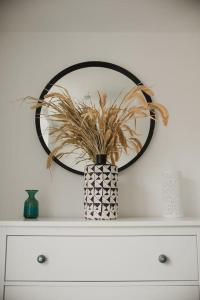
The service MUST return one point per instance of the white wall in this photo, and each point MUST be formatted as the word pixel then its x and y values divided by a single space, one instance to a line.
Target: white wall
pixel 169 62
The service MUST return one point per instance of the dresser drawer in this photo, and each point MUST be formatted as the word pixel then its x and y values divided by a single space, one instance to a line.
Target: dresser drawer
pixel 99 292
pixel 101 258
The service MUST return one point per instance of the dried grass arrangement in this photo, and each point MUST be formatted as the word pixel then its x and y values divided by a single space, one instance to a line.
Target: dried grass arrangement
pixel 101 128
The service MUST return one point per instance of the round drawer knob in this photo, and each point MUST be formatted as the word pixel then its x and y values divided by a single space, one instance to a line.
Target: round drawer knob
pixel 41 259
pixel 162 258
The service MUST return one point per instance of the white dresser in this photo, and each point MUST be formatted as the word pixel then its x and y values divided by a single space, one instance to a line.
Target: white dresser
pixel 71 259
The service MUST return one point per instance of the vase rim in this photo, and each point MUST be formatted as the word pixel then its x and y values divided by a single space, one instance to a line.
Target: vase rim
pixel 102 165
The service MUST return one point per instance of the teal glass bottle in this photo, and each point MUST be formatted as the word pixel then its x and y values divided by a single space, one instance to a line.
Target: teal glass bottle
pixel 31 206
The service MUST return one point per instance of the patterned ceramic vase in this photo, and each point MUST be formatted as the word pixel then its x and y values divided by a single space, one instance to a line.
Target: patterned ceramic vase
pixel 100 190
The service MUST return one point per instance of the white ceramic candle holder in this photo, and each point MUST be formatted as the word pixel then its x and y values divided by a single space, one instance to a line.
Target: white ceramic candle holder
pixel 171 195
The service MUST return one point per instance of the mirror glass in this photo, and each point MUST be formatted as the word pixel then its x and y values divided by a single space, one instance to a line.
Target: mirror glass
pixel 82 82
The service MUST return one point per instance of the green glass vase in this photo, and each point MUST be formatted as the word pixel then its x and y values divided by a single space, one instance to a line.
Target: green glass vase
pixel 31 206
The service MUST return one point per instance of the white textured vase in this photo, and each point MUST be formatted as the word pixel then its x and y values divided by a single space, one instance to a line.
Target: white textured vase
pixel 100 192
pixel 171 194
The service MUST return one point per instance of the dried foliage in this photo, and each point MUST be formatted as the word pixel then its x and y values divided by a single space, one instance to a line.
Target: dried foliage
pixel 98 129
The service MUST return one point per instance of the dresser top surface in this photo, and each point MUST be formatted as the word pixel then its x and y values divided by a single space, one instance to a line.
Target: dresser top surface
pixel 121 222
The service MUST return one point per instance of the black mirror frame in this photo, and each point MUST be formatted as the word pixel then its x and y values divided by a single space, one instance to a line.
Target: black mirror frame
pixel 86 65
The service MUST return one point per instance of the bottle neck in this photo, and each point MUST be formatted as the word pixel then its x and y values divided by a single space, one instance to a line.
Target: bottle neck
pixel 101 159
pixel 31 194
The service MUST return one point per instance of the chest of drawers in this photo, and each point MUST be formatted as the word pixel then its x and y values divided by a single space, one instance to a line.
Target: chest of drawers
pixel 154 259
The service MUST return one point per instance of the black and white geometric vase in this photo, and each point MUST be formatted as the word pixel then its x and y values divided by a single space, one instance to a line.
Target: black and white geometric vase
pixel 100 192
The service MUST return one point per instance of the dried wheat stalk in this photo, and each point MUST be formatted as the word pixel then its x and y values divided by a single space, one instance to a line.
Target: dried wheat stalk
pixel 104 129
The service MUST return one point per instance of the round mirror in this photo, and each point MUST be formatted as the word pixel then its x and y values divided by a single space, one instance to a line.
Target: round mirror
pixel 82 81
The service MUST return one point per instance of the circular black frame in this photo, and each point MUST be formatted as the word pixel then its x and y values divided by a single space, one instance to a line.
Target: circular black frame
pixel 86 65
